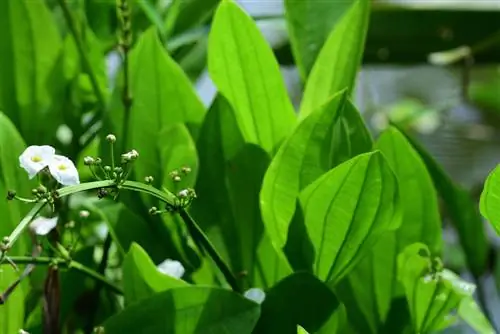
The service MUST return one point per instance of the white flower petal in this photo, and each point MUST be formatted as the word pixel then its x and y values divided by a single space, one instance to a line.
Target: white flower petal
pixel 35 158
pixel 42 225
pixel 255 294
pixel 64 170
pixel 171 268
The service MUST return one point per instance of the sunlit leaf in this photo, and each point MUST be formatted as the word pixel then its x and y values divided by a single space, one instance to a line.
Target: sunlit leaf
pixel 490 199
pixel 338 62
pixel 141 278
pixel 331 135
pixel 243 68
pixel 309 24
pixel 347 210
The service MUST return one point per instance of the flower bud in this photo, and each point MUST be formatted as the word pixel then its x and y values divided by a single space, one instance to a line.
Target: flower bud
pixel 41 189
pixel 107 169
pixel 97 161
pixel 186 170
pixel 153 210
pixel 149 179
pixel 177 178
pixel 88 161
pixel 111 138
pixel 11 194
pixel 118 170
pixel 184 193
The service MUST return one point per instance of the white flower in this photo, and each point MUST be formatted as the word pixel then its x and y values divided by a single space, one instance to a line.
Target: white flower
pixel 171 268
pixel 255 294
pixel 63 170
pixel 35 158
pixel 42 225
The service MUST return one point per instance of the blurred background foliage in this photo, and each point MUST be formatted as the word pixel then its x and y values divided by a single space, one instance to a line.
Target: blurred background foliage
pixel 430 66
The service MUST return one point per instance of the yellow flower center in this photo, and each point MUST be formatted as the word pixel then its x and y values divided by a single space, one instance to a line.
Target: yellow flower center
pixel 36 158
pixel 62 167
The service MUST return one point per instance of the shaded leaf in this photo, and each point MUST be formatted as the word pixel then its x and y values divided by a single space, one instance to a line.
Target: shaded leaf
pixel 229 213
pixel 462 211
pixel 337 64
pixel 299 299
pixel 243 68
pixel 141 278
pixel 329 136
pixel 187 310
pixel 470 312
pixel 347 210
pixel 193 13
pixel 489 204
pixel 309 24
pixel 29 53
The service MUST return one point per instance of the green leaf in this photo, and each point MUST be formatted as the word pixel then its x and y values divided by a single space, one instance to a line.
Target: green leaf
pixel 163 96
pixel 243 68
pixel 187 310
pixel 329 136
pixel 141 278
pixel 337 64
pixel 377 273
pixel 29 51
pixel 309 24
pixel 462 211
pixel 432 293
pixel 193 13
pixel 489 204
pixel 299 299
pixel 229 213
pixel 470 312
pixel 347 210
pixel 12 177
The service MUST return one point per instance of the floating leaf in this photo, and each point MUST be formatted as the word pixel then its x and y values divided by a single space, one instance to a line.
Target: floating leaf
pixel 244 69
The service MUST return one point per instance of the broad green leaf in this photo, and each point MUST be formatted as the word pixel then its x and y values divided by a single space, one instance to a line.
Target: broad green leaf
pixel 339 59
pixel 187 310
pixel 243 68
pixel 309 24
pixel 12 177
pixel 329 136
pixel 141 278
pixel 301 330
pixel 420 222
pixel 490 199
pixel 29 53
pixel 229 212
pixel 462 211
pixel 162 96
pixel 432 293
pixel 470 312
pixel 299 299
pixel 347 210
pixel 337 323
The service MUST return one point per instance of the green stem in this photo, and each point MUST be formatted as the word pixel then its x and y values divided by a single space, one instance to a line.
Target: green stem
pixel 87 67
pixel 200 236
pixel 24 223
pixel 68 264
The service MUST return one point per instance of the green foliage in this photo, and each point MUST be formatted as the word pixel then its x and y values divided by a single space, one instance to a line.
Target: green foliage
pixel 283 221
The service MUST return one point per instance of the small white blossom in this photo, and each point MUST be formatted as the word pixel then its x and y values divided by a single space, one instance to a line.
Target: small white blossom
pixel 171 268
pixel 35 158
pixel 63 170
pixel 183 193
pixel 255 294
pixel 22 331
pixel 42 225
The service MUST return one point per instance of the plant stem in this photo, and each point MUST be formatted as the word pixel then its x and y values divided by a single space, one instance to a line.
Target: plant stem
pixel 23 224
pixel 87 67
pixel 68 264
pixel 200 236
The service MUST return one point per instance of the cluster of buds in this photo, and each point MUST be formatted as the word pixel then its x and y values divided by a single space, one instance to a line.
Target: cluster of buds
pixel 176 174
